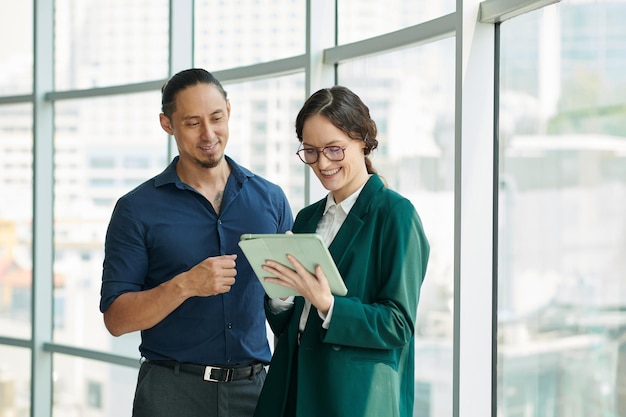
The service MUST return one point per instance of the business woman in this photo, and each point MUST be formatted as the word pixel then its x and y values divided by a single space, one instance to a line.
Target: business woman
pixel 347 355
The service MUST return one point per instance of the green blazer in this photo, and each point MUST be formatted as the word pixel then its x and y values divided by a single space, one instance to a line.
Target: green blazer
pixel 363 364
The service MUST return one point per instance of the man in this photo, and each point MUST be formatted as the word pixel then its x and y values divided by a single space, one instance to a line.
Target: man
pixel 173 269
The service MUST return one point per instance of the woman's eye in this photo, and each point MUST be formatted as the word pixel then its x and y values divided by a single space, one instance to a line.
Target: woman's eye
pixel 334 149
pixel 310 151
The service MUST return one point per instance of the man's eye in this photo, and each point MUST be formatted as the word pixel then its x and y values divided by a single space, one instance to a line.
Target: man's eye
pixel 192 124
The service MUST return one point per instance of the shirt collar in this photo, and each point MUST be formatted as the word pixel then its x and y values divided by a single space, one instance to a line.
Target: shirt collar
pixel 345 205
pixel 169 175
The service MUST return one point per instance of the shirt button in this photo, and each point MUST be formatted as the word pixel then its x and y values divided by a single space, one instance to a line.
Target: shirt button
pixel 230 325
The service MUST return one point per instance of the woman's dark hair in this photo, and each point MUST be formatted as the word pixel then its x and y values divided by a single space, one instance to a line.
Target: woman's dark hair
pixel 180 81
pixel 346 111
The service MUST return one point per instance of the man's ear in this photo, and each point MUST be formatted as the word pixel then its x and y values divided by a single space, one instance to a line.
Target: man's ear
pixel 166 124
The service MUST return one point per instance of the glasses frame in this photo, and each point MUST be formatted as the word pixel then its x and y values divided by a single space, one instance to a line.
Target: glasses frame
pixel 322 151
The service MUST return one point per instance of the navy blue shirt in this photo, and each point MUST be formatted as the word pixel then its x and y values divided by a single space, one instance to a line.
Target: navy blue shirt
pixel 164 227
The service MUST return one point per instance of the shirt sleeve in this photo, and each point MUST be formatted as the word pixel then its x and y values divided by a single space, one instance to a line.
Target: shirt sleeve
pixel 277 305
pixel 326 317
pixel 125 256
pixel 286 218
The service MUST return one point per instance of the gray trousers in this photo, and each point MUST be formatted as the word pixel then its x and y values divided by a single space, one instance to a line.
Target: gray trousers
pixel 162 392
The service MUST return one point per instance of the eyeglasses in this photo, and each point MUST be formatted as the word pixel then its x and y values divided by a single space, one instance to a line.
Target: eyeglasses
pixel 311 155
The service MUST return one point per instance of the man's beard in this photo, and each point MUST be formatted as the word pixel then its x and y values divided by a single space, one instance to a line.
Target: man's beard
pixel 210 164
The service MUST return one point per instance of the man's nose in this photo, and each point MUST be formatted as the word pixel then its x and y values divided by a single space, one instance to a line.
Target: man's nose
pixel 207 131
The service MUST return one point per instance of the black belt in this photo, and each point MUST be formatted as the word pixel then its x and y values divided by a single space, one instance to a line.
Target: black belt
pixel 212 373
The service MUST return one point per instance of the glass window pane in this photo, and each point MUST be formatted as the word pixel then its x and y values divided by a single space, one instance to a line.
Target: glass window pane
pixel 562 199
pixel 104 147
pixel 16 50
pixel 14 381
pixel 102 43
pixel 245 32
pixel 85 387
pixel 361 19
pixel 413 106
pixel 262 132
pixel 16 218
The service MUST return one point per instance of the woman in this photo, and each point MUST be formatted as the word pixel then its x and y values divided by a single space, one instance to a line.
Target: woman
pixel 351 355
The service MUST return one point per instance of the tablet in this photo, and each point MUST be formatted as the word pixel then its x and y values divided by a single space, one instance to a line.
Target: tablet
pixel 308 248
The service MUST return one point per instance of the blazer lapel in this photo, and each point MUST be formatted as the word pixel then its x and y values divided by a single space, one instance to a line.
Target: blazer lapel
pixel 310 225
pixel 354 222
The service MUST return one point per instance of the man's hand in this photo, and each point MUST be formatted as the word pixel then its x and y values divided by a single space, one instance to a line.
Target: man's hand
pixel 212 276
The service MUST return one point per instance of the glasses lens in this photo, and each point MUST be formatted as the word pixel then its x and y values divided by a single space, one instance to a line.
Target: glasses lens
pixel 308 156
pixel 334 153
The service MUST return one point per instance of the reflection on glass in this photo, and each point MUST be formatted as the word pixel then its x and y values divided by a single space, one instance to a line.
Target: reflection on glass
pixel 16 56
pixel 91 388
pixel 410 94
pixel 250 32
pixel 262 132
pixel 360 19
pixel 14 381
pixel 104 147
pixel 16 218
pixel 562 199
pixel 110 43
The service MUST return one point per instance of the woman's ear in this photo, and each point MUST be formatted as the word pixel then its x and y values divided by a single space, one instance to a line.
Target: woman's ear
pixel 366 148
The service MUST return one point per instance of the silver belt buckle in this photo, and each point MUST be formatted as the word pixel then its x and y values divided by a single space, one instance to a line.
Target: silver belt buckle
pixel 209 369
